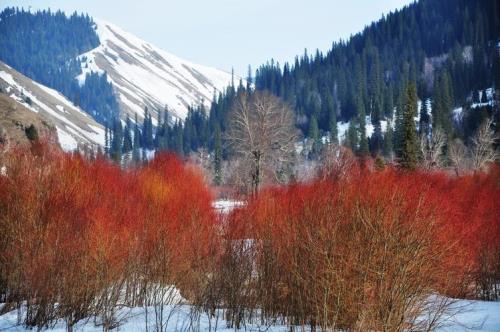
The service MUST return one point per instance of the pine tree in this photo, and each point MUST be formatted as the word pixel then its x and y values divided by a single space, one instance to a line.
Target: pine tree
pixel 388 141
pixel 179 142
pixel 333 126
pixel 424 123
pixel 351 139
pixel 409 153
pixel 484 97
pixel 127 138
pixel 377 139
pixel 443 104
pixel 136 155
pixel 314 135
pixel 363 141
pixel 249 78
pixel 117 141
pixel 398 135
pixel 106 139
pixel 217 156
pixel 147 130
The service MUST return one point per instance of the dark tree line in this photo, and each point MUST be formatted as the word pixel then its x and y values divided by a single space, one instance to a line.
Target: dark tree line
pixel 447 49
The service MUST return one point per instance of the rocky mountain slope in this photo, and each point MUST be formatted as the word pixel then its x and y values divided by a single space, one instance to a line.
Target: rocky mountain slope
pixel 75 128
pixel 144 75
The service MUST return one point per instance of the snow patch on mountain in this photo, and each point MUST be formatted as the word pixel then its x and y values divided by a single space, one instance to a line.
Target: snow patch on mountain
pixel 144 75
pixel 74 126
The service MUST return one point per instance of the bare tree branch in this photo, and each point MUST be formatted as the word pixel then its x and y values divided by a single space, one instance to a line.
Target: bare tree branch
pixel 262 134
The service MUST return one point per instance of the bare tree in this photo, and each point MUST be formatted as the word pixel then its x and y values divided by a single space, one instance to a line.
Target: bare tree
pixel 483 151
pixel 432 149
pixel 263 134
pixel 336 162
pixel 458 154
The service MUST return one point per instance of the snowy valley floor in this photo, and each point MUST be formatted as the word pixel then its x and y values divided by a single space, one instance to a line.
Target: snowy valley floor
pixel 474 316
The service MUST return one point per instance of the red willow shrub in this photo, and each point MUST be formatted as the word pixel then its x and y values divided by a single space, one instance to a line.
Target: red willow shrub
pixel 364 251
pixel 357 250
pixel 76 233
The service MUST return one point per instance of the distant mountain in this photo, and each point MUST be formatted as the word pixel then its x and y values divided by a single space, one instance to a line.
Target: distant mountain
pixel 144 75
pixel 75 128
pixel 102 68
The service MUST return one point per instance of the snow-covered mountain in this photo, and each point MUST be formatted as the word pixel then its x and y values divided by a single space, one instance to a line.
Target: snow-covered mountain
pixel 75 128
pixel 144 75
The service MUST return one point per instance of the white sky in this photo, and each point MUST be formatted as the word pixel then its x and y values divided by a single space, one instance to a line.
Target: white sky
pixel 232 33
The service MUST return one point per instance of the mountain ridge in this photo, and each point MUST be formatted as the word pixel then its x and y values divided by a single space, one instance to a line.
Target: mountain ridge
pixel 144 75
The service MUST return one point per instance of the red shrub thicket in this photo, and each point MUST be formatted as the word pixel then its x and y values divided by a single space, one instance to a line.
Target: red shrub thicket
pixel 78 233
pixel 366 250
pixel 356 250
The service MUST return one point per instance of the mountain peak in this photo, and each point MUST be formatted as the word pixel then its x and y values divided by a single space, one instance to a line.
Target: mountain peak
pixel 146 76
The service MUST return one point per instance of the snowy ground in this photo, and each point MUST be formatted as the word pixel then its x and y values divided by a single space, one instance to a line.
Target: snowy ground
pixel 226 205
pixel 469 315
pixel 474 316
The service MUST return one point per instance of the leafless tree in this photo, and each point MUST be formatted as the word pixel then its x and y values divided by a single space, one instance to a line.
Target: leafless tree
pixel 432 149
pixel 262 133
pixel 336 162
pixel 458 154
pixel 483 151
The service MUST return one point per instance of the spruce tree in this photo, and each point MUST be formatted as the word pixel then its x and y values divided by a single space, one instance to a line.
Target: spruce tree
pixel 399 124
pixel 147 130
pixel 127 138
pixel 388 141
pixel 314 135
pixel 217 156
pixel 363 141
pixel 136 155
pixel 443 104
pixel 424 123
pixel 117 140
pixel 333 126
pixel 409 153
pixel 106 139
pixel 351 139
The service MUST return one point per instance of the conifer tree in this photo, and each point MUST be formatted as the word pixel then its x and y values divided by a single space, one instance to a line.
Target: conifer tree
pixel 127 138
pixel 351 139
pixel 314 135
pixel 443 104
pixel 398 134
pixel 217 156
pixel 249 78
pixel 376 141
pixel 363 141
pixel 388 141
pixel 106 139
pixel 117 140
pixel 333 126
pixel 147 130
pixel 409 153
pixel 136 156
pixel 424 123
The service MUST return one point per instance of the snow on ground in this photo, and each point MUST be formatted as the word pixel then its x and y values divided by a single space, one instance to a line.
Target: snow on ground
pixel 7 78
pixel 226 205
pixel 457 114
pixel 474 316
pixel 67 142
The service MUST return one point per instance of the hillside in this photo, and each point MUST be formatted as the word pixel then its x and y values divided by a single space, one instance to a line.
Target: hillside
pixel 144 75
pixel 102 68
pixel 14 121
pixel 450 49
pixel 74 127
